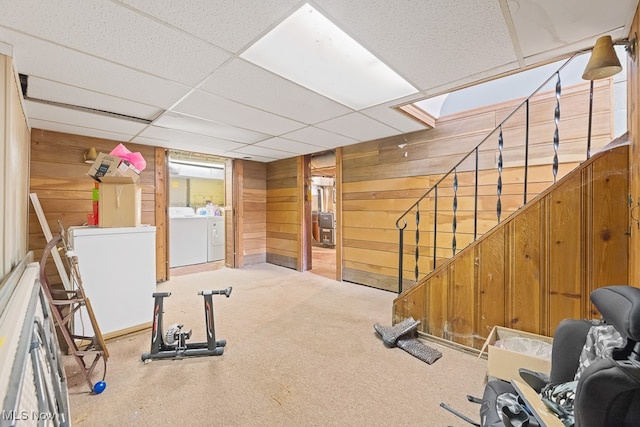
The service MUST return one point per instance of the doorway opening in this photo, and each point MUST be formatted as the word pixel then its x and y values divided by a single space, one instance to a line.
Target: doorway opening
pixel 196 212
pixel 323 214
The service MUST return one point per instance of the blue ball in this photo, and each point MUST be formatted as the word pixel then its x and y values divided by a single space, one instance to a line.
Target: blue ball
pixel 99 387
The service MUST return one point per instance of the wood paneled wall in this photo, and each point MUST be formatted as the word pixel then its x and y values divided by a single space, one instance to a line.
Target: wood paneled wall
pixel 58 177
pixel 14 164
pixel 251 182
pixel 283 213
pixel 383 178
pixel 536 268
pixel 633 124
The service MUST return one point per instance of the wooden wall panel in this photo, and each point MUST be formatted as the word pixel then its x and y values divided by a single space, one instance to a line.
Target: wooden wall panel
pixel 633 125
pixel 524 273
pixel 252 215
pixel 161 215
pixel 437 305
pixel 58 177
pixel 566 217
pixel 539 266
pixel 491 283
pixel 608 228
pixel 283 222
pixel 462 299
pixel 383 178
pixel 14 164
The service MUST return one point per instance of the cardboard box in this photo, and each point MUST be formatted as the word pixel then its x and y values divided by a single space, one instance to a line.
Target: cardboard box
pixel 504 364
pixel 106 165
pixel 120 201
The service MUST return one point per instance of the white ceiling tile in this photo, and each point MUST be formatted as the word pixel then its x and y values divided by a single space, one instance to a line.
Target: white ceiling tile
pixel 212 107
pixel 393 118
pixel 544 25
pixel 118 34
pixel 58 92
pixel 251 157
pixel 173 120
pixel 465 37
pixel 252 150
pixel 359 127
pixel 228 24
pixel 130 55
pixel 319 137
pixel 172 136
pixel 48 61
pixel 252 85
pixel 78 130
pixel 288 145
pixel 52 113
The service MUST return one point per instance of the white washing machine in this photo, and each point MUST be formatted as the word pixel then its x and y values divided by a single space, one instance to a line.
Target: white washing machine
pixel 215 236
pixel 188 239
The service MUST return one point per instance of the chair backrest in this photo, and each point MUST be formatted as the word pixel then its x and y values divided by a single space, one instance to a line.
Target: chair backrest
pixel 620 307
pixel 608 392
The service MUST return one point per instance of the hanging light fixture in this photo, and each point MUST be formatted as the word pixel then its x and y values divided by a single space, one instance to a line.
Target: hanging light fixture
pixel 604 61
pixel 90 155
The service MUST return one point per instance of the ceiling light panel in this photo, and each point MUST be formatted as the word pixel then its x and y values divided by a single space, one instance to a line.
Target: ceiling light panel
pixel 310 50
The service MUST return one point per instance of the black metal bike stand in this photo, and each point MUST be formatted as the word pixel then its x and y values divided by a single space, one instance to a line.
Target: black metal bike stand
pixel 178 347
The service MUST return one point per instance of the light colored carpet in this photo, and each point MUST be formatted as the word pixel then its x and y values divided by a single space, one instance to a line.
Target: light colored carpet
pixel 301 351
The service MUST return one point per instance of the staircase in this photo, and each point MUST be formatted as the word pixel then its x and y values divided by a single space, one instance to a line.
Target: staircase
pixel 531 254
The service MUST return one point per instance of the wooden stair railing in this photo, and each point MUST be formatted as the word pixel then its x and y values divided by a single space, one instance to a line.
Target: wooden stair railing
pixel 538 266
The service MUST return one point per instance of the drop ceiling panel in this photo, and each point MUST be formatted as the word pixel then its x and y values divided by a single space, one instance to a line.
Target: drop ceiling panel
pixel 269 153
pixel 289 146
pixel 252 85
pixel 319 137
pixel 228 24
pixel 542 25
pixel 192 124
pixel 117 33
pixel 52 113
pixel 359 127
pixel 177 139
pixel 393 118
pixel 215 108
pixel 465 37
pixel 49 61
pixel 78 130
pixel 52 91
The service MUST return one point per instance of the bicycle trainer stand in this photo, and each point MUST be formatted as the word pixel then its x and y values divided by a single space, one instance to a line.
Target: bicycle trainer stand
pixel 172 344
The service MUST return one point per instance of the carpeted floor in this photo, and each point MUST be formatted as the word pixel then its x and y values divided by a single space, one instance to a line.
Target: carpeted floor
pixel 301 351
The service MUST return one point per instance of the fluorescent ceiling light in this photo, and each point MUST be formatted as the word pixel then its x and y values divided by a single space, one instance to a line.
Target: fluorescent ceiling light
pixel 311 51
pixel 196 163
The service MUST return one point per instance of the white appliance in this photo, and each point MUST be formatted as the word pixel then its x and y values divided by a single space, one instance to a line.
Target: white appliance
pixel 118 271
pixel 187 237
pixel 215 238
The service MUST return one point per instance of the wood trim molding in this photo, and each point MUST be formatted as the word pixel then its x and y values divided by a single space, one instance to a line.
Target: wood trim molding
pixel 161 206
